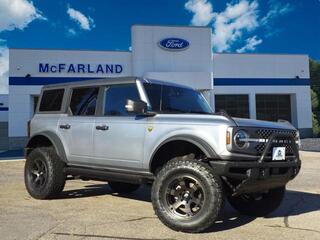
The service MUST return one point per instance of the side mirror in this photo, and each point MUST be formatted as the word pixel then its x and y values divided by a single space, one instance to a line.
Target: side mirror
pixel 138 107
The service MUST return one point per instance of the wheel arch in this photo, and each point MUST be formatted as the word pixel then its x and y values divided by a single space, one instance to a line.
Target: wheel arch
pixel 198 144
pixel 46 139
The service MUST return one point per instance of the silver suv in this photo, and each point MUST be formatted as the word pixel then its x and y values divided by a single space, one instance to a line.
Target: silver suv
pixel 131 131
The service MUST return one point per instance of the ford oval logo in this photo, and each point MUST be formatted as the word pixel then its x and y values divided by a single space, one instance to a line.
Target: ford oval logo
pixel 174 44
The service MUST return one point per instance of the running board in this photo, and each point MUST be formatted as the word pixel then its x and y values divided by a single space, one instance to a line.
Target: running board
pixel 109 175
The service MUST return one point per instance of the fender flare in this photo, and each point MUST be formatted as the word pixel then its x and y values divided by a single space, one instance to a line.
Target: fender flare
pixel 56 142
pixel 200 143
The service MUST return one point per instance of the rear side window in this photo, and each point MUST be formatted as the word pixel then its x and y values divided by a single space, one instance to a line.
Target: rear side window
pixel 51 100
pixel 83 101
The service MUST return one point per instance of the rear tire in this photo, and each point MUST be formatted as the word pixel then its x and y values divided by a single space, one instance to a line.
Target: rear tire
pixel 121 187
pixel 258 204
pixel 186 195
pixel 44 174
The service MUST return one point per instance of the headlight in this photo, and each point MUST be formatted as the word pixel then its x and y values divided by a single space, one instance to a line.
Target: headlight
pixel 240 139
pixel 298 139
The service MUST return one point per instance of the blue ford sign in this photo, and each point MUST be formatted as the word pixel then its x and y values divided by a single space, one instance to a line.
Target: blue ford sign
pixel 174 44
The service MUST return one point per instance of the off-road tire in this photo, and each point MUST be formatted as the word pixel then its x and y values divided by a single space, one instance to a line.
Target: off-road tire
pixel 121 187
pixel 208 184
pixel 53 173
pixel 258 204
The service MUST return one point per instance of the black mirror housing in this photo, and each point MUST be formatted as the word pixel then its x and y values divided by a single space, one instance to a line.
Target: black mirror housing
pixel 138 107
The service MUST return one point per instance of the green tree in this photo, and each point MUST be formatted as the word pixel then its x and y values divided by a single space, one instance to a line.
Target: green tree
pixel 314 100
pixel 315 125
pixel 315 75
pixel 315 95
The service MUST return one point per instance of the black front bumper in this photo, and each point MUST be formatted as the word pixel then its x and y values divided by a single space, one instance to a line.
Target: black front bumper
pixel 256 176
pixel 260 174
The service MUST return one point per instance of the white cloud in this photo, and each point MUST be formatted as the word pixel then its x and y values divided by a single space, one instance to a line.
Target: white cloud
pixel 86 23
pixel 71 32
pixel 17 14
pixel 14 14
pixel 202 10
pixel 4 68
pixel 251 44
pixel 233 22
pixel 276 9
pixel 237 21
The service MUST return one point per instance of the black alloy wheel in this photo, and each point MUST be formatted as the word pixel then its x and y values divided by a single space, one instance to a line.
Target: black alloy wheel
pixel 184 196
pixel 38 173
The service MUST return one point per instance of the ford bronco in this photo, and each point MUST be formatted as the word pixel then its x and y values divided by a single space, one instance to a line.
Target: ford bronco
pixel 131 131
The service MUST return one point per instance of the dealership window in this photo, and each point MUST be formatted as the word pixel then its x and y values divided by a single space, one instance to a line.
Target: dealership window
pixel 116 99
pixel 51 100
pixel 83 101
pixel 272 107
pixel 234 105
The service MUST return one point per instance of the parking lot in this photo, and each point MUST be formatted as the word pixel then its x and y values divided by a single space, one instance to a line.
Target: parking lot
pixel 88 210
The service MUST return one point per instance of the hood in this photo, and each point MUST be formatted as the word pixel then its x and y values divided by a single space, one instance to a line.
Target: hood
pixel 243 122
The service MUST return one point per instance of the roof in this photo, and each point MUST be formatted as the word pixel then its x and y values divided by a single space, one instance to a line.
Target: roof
pixel 94 82
pixel 109 81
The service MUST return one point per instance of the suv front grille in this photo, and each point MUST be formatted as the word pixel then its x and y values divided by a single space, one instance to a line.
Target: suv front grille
pixel 278 142
pixel 266 133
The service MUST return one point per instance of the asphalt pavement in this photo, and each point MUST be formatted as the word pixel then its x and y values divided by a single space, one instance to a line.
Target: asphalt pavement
pixel 89 210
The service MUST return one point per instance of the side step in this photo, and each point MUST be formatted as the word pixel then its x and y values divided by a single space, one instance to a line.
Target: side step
pixel 109 175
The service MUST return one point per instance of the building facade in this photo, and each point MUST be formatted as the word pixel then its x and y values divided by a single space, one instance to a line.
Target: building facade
pixel 266 86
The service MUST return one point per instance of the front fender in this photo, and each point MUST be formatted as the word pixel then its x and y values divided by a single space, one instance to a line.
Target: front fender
pixel 206 145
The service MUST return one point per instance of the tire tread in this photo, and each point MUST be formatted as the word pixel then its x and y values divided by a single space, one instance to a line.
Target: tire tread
pixel 56 175
pixel 206 172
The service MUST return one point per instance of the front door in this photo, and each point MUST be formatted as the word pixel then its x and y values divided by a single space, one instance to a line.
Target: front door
pixel 118 135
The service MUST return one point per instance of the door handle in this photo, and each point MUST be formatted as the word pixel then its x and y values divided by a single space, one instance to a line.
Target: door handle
pixel 102 127
pixel 65 126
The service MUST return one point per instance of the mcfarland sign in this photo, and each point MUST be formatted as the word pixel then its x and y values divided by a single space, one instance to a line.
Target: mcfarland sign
pixel 80 68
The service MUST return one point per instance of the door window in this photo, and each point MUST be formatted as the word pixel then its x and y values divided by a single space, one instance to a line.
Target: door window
pixel 116 99
pixel 83 101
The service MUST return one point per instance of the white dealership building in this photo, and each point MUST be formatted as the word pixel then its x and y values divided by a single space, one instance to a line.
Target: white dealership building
pixel 259 86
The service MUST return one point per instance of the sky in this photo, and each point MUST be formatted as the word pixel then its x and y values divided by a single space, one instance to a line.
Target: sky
pixel 242 26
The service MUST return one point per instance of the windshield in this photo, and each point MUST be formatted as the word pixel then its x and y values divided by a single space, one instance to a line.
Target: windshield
pixel 171 99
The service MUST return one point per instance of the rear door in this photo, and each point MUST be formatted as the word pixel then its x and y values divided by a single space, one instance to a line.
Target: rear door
pixel 119 135
pixel 76 128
